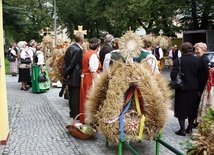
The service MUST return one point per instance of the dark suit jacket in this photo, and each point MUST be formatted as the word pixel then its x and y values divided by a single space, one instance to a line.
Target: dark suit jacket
pixel 203 80
pixel 191 68
pixel 105 49
pixel 73 64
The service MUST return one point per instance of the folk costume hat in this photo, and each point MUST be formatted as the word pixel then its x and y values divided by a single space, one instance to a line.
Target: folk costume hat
pixel 31 42
pixel 21 44
pixel 39 46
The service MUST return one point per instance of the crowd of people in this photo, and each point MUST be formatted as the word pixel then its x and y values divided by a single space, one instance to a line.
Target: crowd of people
pixel 25 66
pixel 195 71
pixel 81 69
pixel 197 87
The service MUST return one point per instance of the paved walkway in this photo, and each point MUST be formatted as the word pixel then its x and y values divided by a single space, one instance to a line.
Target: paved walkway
pixel 37 127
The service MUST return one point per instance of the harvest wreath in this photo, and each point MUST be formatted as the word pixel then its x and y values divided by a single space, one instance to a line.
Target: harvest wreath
pixel 128 102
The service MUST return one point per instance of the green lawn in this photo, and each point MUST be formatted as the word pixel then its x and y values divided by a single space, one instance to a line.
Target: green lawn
pixel 7 67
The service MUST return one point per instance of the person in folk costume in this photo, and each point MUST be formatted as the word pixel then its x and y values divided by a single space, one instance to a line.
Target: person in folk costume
pixel 114 55
pixel 107 48
pixel 38 69
pixel 174 53
pixel 90 71
pixel 207 98
pixel 24 69
pixel 146 53
pixel 158 53
pixel 31 50
pixel 186 97
pixel 14 64
pixel 200 49
pixel 72 72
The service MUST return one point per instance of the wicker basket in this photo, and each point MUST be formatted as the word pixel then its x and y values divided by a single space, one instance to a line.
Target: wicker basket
pixel 76 132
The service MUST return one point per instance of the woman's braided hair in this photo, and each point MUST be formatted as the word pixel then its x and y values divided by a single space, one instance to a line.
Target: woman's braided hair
pixel 94 43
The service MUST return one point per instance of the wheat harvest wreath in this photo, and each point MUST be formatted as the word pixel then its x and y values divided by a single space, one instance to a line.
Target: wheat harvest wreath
pixel 128 102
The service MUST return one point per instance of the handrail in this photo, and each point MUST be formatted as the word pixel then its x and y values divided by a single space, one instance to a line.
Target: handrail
pixel 159 140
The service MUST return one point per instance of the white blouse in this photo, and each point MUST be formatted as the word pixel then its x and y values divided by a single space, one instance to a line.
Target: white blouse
pixel 153 63
pixel 23 53
pixel 40 56
pixel 171 53
pixel 31 52
pixel 106 61
pixel 12 51
pixel 93 63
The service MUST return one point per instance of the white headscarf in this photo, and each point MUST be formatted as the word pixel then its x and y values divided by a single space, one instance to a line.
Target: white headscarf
pixel 21 44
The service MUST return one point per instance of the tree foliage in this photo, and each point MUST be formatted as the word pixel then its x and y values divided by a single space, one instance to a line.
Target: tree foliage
pixel 23 18
pixel 196 14
pixel 117 17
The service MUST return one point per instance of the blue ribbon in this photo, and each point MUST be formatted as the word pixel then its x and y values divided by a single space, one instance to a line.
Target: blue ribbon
pixel 122 135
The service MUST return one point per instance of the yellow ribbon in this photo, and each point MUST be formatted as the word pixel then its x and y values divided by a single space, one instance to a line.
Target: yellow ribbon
pixel 140 136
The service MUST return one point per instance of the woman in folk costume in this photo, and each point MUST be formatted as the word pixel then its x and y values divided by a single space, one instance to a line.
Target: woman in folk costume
pixel 24 67
pixel 38 69
pixel 14 64
pixel 207 98
pixel 147 53
pixel 90 70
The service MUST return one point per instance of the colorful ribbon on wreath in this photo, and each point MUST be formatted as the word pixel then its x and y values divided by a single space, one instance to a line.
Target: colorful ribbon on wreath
pixel 138 99
pixel 129 101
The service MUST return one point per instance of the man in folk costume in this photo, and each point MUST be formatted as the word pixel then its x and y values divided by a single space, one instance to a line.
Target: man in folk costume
pixel 174 53
pixel 107 48
pixel 158 53
pixel 72 72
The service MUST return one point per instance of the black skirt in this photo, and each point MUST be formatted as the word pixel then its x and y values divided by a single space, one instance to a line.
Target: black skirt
pixel 24 75
pixel 186 104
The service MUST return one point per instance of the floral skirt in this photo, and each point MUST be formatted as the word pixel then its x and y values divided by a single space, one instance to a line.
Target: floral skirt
pixel 207 101
pixel 14 67
pixel 39 87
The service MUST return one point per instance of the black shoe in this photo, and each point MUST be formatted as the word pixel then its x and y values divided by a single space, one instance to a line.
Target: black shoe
pixel 24 89
pixel 195 125
pixel 189 131
pixel 180 133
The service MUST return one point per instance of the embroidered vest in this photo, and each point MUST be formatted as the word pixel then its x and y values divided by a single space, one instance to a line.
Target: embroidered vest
pixel 156 53
pixel 142 56
pixel 174 54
